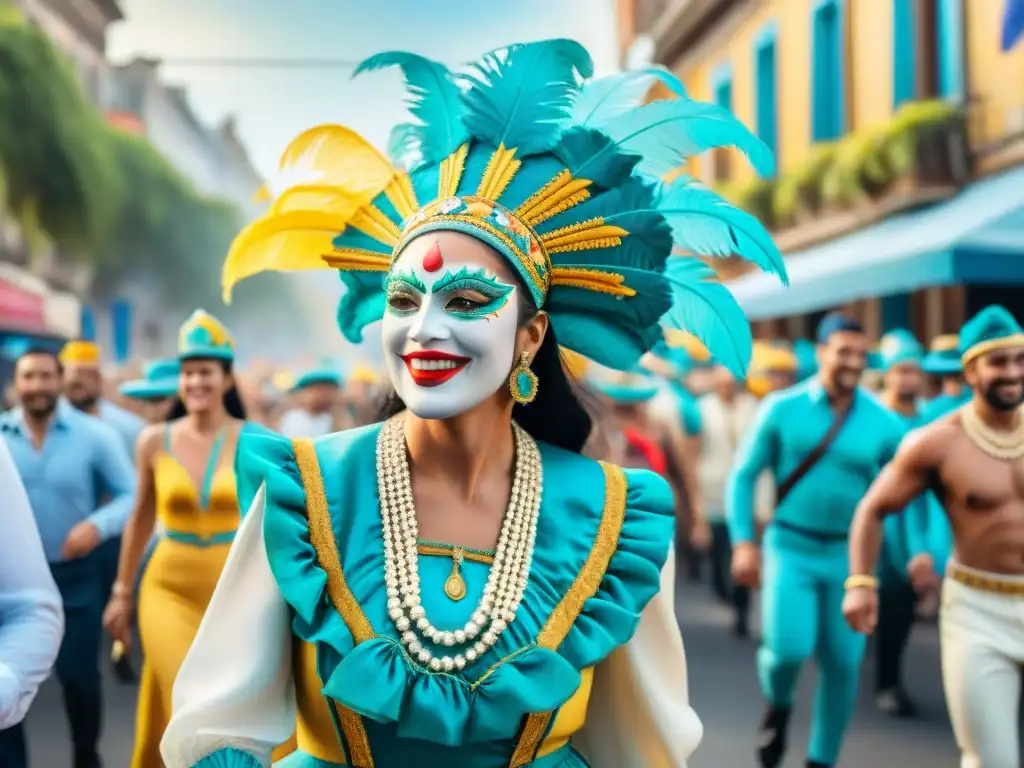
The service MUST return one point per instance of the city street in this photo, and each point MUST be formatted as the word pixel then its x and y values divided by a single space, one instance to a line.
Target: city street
pixel 723 689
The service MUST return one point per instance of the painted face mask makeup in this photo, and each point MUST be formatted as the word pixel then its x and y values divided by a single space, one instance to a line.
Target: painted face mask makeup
pixel 449 327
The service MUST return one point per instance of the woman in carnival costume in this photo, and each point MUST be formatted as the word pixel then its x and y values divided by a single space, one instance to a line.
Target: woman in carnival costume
pixel 458 585
pixel 186 480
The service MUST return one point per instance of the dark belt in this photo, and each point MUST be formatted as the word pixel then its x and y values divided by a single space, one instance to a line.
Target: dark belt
pixel 810 533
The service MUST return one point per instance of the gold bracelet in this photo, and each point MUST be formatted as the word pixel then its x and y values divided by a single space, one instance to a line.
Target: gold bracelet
pixel 860 581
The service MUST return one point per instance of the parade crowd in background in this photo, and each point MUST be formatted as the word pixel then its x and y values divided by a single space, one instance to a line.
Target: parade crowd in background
pixel 105 457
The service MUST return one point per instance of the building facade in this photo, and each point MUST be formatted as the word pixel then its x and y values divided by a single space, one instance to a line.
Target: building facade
pixel 211 157
pixel 40 299
pixel 898 126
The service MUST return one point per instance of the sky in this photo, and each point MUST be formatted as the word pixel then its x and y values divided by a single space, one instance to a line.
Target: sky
pixel 275 105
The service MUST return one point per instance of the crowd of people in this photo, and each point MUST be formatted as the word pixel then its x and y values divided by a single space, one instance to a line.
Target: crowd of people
pixel 138 487
pixel 781 465
pixel 470 558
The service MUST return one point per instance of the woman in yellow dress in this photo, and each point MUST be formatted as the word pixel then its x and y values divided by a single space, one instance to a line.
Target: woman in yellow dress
pixel 187 481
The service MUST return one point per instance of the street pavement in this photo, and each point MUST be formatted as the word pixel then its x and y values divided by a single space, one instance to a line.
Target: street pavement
pixel 723 690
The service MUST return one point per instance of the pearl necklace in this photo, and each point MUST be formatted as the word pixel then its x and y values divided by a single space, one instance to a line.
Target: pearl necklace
pixel 509 572
pixel 1005 446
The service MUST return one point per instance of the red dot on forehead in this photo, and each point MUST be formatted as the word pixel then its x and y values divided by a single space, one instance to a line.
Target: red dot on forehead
pixel 433 261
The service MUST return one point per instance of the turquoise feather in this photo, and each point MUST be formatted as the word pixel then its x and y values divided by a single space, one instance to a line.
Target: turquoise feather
pixel 705 308
pixel 362 303
pixel 631 206
pixel 434 98
pixel 602 100
pixel 705 224
pixel 404 146
pixel 667 133
pixel 519 96
pixel 589 154
pixel 614 345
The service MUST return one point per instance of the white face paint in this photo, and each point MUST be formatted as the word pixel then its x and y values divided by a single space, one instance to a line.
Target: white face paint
pixel 449 328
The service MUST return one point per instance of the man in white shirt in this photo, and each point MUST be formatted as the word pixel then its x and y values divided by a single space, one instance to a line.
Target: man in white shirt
pixel 726 413
pixel 317 393
pixel 31 613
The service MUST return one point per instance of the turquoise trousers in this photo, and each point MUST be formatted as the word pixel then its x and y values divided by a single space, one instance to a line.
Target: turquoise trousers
pixel 802 613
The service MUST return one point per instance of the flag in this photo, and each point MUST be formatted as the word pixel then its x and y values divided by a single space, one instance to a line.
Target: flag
pixel 1013 23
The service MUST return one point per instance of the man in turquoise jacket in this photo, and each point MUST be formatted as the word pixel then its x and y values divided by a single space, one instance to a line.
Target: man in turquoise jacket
pixel 824 441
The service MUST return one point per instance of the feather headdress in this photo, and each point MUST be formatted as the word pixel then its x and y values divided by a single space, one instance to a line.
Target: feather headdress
pixel 559 173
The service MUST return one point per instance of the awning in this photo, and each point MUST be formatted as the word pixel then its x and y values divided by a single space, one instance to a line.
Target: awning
pixel 21 309
pixel 976 237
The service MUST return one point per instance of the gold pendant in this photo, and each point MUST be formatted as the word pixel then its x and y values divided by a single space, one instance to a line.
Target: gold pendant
pixel 455 585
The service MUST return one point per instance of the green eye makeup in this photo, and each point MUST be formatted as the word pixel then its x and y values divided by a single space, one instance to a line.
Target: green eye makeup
pixel 402 288
pixel 477 281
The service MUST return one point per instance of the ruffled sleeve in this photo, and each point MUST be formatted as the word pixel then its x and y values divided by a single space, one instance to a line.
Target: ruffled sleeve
pixel 610 617
pixel 271 459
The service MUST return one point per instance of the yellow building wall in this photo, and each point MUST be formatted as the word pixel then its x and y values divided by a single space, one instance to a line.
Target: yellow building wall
pixel 995 79
pixel 869 85
pixel 868 26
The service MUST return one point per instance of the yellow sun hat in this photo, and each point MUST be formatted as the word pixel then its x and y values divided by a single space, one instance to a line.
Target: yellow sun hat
pixel 81 352
pixel 687 341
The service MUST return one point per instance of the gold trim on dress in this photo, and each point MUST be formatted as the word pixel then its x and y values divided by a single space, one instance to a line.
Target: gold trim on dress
pixel 321 536
pixel 585 586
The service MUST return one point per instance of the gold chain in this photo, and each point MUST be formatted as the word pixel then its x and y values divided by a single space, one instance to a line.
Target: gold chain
pixel 1005 446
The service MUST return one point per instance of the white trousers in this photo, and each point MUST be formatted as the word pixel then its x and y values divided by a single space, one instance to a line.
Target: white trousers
pixel 982 652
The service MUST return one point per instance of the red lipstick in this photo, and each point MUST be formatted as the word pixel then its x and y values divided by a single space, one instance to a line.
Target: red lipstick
pixel 431 368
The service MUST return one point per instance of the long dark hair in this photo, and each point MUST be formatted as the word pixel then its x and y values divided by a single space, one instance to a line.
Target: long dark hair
pixel 558 414
pixel 232 399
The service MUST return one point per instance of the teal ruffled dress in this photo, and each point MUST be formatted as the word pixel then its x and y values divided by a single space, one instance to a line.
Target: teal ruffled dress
pixel 603 537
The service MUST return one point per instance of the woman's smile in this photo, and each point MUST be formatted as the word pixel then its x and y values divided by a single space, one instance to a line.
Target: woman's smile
pixel 431 368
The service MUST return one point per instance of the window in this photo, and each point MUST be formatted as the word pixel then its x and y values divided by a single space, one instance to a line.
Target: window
pixel 940 48
pixel 949 36
pixel 767 91
pixel 828 112
pixel 904 51
pixel 722 89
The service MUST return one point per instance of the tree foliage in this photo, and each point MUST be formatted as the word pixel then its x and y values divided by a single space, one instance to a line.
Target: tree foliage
pixel 100 194
pixel 57 173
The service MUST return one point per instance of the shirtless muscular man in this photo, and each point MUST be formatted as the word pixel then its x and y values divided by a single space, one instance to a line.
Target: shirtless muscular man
pixel 973 459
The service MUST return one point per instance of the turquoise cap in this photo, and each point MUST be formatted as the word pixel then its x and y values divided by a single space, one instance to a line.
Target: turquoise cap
pixel 318 376
pixel 636 386
pixel 898 347
pixel 159 380
pixel 992 328
pixel 204 336
pixel 943 358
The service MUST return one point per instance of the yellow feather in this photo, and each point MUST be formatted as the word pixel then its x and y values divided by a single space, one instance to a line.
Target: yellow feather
pixel 317 197
pixel 288 242
pixel 335 156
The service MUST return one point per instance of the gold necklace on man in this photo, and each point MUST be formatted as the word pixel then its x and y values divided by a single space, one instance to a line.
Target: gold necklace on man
pixel 1005 446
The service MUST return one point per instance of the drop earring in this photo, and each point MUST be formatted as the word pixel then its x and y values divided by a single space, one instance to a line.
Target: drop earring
pixel 522 382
